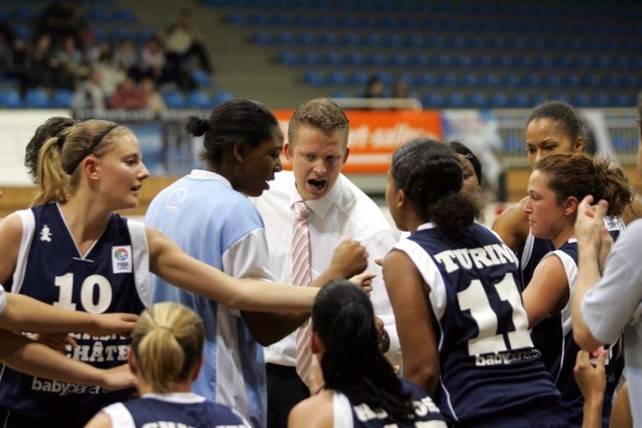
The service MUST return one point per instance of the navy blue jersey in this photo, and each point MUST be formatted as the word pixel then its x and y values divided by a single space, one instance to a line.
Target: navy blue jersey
pixel 536 248
pixel 173 410
pixel 489 366
pixel 554 339
pixel 112 277
pixel 351 414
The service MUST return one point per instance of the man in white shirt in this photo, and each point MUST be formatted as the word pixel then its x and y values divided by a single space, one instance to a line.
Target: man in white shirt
pixel 318 148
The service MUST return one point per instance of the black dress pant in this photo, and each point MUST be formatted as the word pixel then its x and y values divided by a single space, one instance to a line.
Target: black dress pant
pixel 284 390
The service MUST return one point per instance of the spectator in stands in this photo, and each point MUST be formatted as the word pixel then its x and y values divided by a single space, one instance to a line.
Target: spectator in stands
pixel 126 58
pixel 182 41
pixel 90 94
pixel 153 60
pixel 128 96
pixel 374 87
pixel 41 66
pixel 400 89
pixel 18 62
pixel 155 101
pixel 101 57
pixel 62 19
pixel 70 64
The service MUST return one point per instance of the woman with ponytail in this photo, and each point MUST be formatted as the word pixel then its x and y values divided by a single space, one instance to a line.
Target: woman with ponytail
pixel 165 356
pixel 455 291
pixel 556 187
pixel 361 388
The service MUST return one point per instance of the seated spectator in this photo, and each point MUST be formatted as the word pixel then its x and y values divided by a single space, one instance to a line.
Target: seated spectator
pixel 181 42
pixel 62 19
pixel 90 94
pixel 101 57
pixel 128 96
pixel 155 101
pixel 400 89
pixel 126 58
pixel 153 60
pixel 42 69
pixel 70 64
pixel 374 88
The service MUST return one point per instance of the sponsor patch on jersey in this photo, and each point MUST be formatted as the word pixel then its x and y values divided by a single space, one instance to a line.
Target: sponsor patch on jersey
pixel 121 259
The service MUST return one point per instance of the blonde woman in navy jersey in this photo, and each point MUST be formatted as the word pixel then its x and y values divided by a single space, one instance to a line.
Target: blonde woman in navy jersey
pixel 71 250
pixel 456 294
pixel 555 188
pixel 361 388
pixel 166 356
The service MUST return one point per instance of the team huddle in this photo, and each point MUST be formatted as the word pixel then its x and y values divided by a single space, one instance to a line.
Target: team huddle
pixel 255 297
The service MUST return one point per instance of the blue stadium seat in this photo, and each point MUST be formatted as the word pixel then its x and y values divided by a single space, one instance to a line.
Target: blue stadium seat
pixel 314 77
pixel 433 100
pixel 174 99
pixel 37 98
pixel 221 97
pixel 10 98
pixel 123 16
pixel 62 98
pixel 201 78
pixel 198 99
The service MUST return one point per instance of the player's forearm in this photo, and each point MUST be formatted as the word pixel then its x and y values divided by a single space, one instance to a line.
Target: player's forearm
pixel 26 314
pixel 588 276
pixel 27 356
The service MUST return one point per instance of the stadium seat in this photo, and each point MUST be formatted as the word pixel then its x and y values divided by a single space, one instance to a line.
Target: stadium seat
pixel 221 97
pixel 174 99
pixel 198 99
pixel 201 78
pixel 10 98
pixel 37 98
pixel 62 98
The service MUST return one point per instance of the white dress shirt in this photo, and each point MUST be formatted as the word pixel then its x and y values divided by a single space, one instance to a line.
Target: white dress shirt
pixel 345 212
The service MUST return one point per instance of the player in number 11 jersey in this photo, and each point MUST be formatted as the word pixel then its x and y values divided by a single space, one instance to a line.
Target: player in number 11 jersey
pixel 456 294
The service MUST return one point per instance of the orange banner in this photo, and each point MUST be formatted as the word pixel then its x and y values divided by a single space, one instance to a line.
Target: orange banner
pixel 374 135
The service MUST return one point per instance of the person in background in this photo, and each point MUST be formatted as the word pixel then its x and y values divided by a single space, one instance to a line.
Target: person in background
pixel 454 287
pixel 361 388
pixel 52 127
pixel 374 88
pixel 164 384
pixel 318 149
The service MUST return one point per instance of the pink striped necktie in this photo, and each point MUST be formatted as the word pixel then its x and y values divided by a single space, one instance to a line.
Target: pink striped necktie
pixel 302 275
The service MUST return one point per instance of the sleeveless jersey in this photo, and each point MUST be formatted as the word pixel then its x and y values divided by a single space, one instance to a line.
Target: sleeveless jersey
pixel 173 410
pixel 112 277
pixel 536 248
pixel 350 414
pixel 553 337
pixel 489 366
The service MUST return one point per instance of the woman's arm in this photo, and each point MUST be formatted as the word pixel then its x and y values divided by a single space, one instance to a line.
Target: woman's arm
pixel 23 313
pixel 35 359
pixel 548 291
pixel 409 301
pixel 169 262
pixel 10 237
pixel 512 226
pixel 101 420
